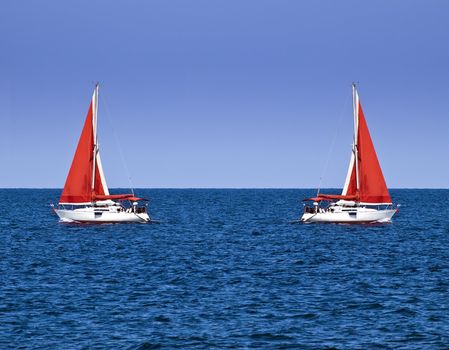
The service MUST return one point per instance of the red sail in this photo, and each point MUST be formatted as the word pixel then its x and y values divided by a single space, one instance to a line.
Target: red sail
pixel 78 186
pixel 115 196
pixel 372 186
pixel 331 197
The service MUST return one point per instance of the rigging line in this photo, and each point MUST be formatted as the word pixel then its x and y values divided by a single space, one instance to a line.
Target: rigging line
pixel 310 217
pixel 122 157
pixel 329 153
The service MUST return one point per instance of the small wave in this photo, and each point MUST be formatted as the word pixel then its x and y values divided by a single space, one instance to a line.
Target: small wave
pixel 146 346
pixel 270 336
pixel 162 318
pixel 66 220
pixel 405 311
pixel 306 316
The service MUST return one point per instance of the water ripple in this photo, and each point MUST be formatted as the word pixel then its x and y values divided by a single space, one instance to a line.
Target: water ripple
pixel 225 269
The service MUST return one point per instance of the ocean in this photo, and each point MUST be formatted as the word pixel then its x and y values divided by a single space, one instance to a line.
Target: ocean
pixel 224 269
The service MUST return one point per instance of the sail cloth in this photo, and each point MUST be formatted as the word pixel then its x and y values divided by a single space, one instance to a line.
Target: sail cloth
pixel 86 180
pixel 365 180
pixel 120 197
pixel 331 197
pixel 128 196
pixel 372 186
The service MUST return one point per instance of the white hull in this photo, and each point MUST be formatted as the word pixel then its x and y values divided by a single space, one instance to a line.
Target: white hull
pixel 100 215
pixel 350 215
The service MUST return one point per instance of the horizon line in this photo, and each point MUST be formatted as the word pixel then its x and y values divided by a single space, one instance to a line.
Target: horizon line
pixel 224 188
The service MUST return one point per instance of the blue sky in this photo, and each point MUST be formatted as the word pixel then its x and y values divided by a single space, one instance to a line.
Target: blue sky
pixel 248 93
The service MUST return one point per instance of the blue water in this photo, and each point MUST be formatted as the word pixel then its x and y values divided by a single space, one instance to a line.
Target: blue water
pixel 224 269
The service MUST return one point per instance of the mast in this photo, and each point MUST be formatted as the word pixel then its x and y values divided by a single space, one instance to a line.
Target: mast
pixel 94 125
pixel 365 182
pixel 355 99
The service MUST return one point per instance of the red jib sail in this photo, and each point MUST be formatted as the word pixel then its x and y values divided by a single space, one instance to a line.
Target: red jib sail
pixel 365 179
pixel 365 182
pixel 86 179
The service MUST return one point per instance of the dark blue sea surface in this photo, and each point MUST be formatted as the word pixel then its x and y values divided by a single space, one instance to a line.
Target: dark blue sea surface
pixel 224 269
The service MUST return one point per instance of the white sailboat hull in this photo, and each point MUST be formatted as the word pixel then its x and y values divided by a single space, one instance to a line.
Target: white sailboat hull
pixel 103 215
pixel 352 215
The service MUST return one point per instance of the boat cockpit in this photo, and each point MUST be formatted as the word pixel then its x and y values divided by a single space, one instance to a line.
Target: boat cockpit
pixel 332 207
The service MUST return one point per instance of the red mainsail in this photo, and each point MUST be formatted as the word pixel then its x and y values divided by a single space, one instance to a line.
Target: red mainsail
pixel 83 182
pixel 373 188
pixel 365 178
pixel 364 182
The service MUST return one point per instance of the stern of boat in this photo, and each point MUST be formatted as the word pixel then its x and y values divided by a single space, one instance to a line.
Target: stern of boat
pixel 105 214
pixel 348 215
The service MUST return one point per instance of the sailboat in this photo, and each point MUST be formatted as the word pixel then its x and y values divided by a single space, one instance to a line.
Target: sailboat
pixel 365 197
pixel 85 197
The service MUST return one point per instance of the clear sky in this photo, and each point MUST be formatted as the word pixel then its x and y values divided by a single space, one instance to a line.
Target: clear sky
pixel 224 93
